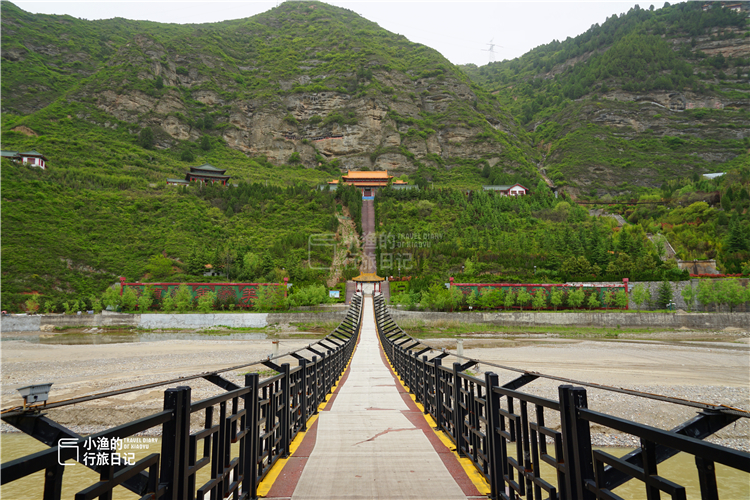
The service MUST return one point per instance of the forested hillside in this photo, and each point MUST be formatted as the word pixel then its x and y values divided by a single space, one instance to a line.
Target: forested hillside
pixel 647 96
pixel 304 83
pixel 637 108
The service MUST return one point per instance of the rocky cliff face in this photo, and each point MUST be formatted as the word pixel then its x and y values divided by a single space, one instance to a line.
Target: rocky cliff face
pixel 330 97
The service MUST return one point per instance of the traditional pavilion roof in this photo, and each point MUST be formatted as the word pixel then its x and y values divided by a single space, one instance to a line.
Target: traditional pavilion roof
pixel 375 174
pixel 207 168
pixel 17 154
pixel 502 187
pixel 368 278
pixel 399 182
pixel 32 153
pixel 177 181
pixel 334 181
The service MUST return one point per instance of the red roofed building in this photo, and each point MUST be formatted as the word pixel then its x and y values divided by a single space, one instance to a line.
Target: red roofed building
pixel 207 173
pixel 367 181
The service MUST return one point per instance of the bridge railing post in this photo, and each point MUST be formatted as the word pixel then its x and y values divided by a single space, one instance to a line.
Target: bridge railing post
pixel 438 393
pixel 329 371
pixel 494 455
pixel 316 402
pixel 425 385
pixel 576 433
pixel 410 370
pixel 286 416
pixel 303 394
pixel 457 415
pixel 250 469
pixel 175 435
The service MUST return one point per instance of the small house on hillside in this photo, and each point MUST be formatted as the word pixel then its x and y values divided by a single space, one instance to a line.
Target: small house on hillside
pixel 32 158
pixel 514 190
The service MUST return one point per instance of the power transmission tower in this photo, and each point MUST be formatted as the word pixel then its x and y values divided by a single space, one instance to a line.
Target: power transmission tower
pixel 491 50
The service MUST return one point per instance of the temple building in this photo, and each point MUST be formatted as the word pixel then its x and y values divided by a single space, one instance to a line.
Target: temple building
pixel 366 181
pixel 205 173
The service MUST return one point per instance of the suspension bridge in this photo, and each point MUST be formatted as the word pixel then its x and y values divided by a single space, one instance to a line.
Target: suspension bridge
pixel 370 412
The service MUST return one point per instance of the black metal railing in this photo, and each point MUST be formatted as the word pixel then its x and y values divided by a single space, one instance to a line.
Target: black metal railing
pixel 262 417
pixel 504 432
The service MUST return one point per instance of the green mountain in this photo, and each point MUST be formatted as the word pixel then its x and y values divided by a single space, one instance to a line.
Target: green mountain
pixel 302 83
pixel 646 97
pixel 294 97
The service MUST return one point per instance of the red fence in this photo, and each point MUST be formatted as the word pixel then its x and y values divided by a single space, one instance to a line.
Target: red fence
pixel 240 294
pixel 534 289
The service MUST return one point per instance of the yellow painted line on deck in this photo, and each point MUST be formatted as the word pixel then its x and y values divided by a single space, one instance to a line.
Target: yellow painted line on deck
pixel 472 472
pixel 267 483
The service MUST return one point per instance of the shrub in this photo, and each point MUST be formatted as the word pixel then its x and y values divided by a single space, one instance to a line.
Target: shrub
pixel 576 297
pixel 183 299
pixel 129 300
pixel 557 297
pixel 206 302
pixel 146 299
pixel 688 293
pixel 167 304
pixel 111 297
pixel 621 299
pixel 640 295
pixel 96 304
pixel 32 305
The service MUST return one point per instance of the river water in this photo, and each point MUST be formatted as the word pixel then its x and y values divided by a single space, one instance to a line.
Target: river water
pixel 87 337
pixel 733 485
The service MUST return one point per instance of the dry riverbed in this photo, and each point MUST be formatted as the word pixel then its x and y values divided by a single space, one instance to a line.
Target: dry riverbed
pixel 711 367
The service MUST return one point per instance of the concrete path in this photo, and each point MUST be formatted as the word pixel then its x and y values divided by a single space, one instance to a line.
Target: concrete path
pixel 370 238
pixel 371 441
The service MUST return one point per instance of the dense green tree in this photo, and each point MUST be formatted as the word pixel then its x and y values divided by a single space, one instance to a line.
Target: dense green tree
pixel 146 138
pixel 664 294
pixel 593 301
pixel 641 295
pixel 159 267
pixel 539 301
pixel 621 299
pixel 706 293
pixel 205 143
pixel 557 297
pixel 576 297
pixel 523 297
pixel 688 294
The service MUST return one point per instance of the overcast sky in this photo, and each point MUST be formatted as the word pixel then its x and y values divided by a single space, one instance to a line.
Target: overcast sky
pixel 461 31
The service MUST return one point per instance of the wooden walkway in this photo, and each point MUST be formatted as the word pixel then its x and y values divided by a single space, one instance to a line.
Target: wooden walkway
pixel 371 441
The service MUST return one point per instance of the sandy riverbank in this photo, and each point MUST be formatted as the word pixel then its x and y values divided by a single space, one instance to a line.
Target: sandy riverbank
pixel 712 372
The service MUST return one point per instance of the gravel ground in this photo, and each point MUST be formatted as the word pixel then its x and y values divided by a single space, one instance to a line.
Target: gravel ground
pixel 711 372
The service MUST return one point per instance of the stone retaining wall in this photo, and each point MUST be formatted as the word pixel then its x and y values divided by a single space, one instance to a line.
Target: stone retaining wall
pixel 20 323
pixel 605 319
pixel 713 321
pixel 163 321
